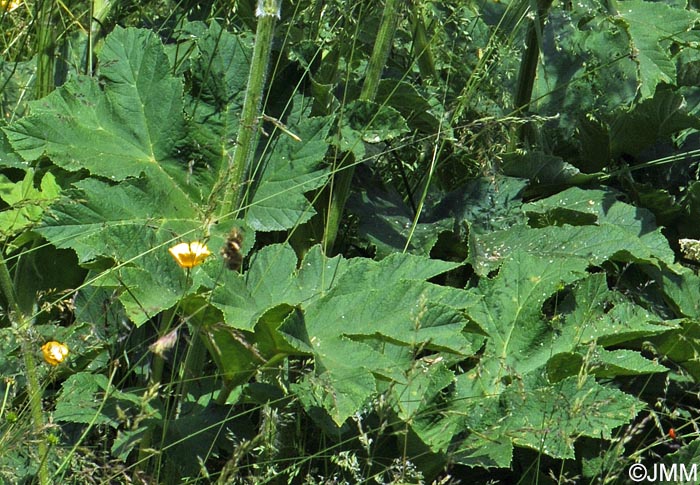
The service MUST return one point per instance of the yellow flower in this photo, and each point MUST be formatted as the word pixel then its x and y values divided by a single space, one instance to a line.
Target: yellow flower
pixel 54 352
pixel 189 255
pixel 9 6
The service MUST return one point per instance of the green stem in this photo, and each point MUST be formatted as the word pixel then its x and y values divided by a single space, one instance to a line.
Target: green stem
pixel 100 9
pixel 421 45
pixel 382 49
pixel 226 388
pixel 528 66
pixel 34 390
pixel 380 55
pixel 233 179
pixel 44 49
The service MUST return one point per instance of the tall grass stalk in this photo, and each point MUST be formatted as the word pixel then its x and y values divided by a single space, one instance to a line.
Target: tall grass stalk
pixel 233 178
pixel 380 55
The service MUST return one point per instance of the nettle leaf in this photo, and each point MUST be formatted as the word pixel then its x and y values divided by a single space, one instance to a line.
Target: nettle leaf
pixel 82 400
pixel 651 26
pixel 76 403
pixel 289 169
pixel 26 202
pixel 126 124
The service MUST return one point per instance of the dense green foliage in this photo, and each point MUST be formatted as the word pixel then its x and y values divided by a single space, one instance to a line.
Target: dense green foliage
pixel 460 254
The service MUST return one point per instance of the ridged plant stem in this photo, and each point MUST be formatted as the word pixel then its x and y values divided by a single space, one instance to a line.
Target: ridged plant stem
pixel 421 45
pixel 34 390
pixel 380 55
pixel 99 10
pixel 44 48
pixel 233 179
pixel 528 65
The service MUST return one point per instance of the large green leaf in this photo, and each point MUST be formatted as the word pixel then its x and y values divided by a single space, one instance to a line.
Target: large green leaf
pixel 533 361
pixel 387 222
pixel 126 123
pixel 289 169
pixel 651 27
pixel 273 279
pixel 653 119
pixel 351 309
pixel 26 202
pixel 509 310
pixel 584 56
pixel 484 204
pixel 591 225
pixel 551 417
pixel 133 224
pixel 219 75
pixel 544 171
pixel 161 202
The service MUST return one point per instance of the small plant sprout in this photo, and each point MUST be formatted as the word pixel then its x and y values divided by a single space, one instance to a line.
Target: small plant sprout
pixel 54 352
pixel 189 255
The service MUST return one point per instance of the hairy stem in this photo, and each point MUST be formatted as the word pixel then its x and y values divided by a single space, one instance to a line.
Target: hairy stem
pixel 44 48
pixel 233 178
